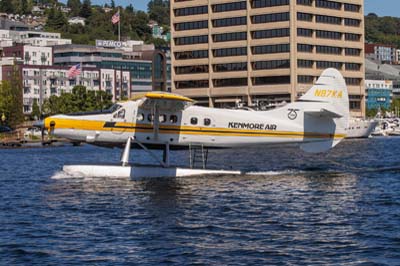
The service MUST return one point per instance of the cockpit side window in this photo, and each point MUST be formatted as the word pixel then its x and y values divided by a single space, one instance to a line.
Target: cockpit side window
pixel 120 114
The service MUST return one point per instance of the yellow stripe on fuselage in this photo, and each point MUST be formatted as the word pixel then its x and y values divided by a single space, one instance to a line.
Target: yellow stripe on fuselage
pixel 91 125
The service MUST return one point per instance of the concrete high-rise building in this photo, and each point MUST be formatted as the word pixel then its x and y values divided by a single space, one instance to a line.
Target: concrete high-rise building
pixel 265 51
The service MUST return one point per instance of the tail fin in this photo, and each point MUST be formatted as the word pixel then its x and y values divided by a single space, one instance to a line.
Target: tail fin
pixel 331 89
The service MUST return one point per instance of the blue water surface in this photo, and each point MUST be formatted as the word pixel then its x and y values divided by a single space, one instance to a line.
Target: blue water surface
pixel 338 208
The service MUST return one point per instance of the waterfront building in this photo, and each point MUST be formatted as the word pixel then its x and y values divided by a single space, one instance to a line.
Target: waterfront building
pixel 39 82
pixel 36 38
pixel 30 55
pixel 379 93
pixel 383 54
pixel 265 51
pixel 149 68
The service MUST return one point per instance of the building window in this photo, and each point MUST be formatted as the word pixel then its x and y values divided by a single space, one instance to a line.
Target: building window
pixel 274 33
pixel 352 37
pixel 267 18
pixel 195 25
pixel 352 52
pixel 231 82
pixel 191 40
pixel 304 32
pixel 236 51
pixel 305 63
pixel 329 35
pixel 271 49
pixel 353 66
pixel 329 20
pixel 232 36
pixel 305 48
pixel 226 22
pixel 189 11
pixel 328 64
pixel 329 50
pixel 271 80
pixel 352 22
pixel 352 8
pixel 230 67
pixel 273 64
pixel 304 2
pixel 304 16
pixel 191 54
pixel 328 4
pixel 268 3
pixel 192 84
pixel 191 69
pixel 305 79
pixel 229 6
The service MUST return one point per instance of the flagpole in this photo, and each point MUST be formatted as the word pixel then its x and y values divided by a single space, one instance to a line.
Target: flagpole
pixel 119 26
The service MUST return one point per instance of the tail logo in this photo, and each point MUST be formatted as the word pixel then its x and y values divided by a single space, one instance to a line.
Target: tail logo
pixel 292 115
pixel 328 93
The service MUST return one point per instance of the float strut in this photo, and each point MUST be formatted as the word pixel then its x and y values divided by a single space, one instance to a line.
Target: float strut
pixel 125 154
pixel 166 155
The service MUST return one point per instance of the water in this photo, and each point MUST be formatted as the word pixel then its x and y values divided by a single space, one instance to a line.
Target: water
pixel 339 208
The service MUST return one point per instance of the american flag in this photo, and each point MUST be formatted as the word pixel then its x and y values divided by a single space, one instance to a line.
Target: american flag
pixel 115 18
pixel 74 71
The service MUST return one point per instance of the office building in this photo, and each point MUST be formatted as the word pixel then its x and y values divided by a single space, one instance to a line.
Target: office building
pixel 379 94
pixel 260 52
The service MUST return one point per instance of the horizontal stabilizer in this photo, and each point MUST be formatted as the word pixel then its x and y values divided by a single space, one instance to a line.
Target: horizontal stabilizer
pixel 323 112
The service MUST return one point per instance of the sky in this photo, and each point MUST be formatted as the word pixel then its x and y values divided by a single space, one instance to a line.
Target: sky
pixel 380 7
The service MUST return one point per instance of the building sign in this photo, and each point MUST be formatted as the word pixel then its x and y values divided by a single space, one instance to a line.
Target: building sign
pixel 110 44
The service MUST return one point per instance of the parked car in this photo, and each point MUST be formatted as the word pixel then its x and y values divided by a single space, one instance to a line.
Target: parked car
pixel 32 132
pixel 5 129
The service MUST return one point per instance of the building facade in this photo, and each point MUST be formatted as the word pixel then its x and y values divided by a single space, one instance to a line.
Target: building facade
pixel 143 73
pixel 379 94
pixel 384 54
pixel 265 51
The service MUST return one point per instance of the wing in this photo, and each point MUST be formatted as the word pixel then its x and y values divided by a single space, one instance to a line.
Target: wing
pixel 164 101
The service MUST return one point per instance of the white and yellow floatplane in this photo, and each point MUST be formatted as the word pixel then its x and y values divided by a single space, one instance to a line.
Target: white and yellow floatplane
pixel 316 122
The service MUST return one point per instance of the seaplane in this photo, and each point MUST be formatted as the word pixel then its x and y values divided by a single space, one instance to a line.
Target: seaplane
pixel 316 122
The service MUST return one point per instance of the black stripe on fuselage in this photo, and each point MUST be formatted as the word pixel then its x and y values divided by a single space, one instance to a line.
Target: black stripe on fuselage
pixel 113 125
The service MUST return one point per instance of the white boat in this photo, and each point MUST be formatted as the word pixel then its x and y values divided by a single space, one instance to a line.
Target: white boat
pixel 360 128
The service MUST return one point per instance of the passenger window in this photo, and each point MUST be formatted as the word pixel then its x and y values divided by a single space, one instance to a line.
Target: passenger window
pixel 150 117
pixel 193 120
pixel 207 121
pixel 120 114
pixel 140 117
pixel 162 118
pixel 173 119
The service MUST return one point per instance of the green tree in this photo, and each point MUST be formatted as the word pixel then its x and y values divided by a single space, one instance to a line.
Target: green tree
pixel 86 10
pixel 159 11
pixel 35 110
pixel 75 6
pixel 112 4
pixel 7 6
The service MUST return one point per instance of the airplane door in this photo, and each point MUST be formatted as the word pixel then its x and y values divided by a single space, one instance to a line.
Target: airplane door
pixel 118 118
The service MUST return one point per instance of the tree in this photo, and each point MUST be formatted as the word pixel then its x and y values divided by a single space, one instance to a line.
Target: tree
pixel 159 11
pixel 11 100
pixel 75 6
pixel 6 6
pixel 86 10
pixel 112 4
pixel 80 100
pixel 35 110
